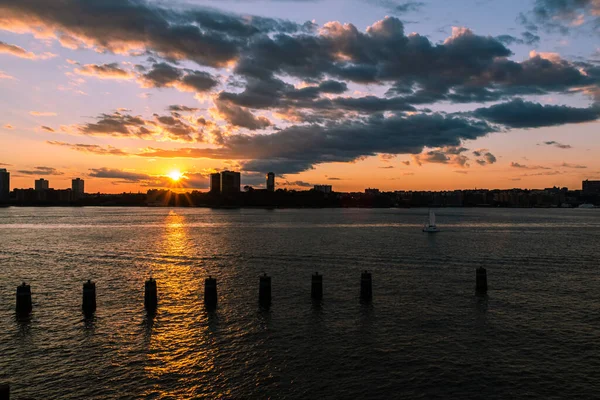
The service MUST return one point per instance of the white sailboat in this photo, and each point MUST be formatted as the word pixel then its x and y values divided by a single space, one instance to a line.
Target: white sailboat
pixel 431 227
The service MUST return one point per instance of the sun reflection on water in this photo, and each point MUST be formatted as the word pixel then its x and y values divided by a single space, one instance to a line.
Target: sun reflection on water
pixel 181 325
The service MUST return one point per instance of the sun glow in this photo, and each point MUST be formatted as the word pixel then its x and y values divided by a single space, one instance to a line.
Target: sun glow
pixel 175 175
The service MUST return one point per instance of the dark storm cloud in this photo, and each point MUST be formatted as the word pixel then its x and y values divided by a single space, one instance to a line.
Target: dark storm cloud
pixel 526 38
pixel 109 173
pixel 524 114
pixel 204 35
pixel 299 148
pixel 41 171
pixel 562 15
pixel 464 68
pixel 118 124
pixel 166 75
pixel 239 116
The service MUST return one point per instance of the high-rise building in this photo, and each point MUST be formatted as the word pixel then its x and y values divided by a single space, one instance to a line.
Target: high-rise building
pixel 4 184
pixel 230 182
pixel 41 184
pixel 590 187
pixel 271 182
pixel 215 183
pixel 77 188
pixel 323 188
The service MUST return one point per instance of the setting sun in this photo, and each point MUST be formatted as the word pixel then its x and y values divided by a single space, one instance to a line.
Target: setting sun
pixel 175 175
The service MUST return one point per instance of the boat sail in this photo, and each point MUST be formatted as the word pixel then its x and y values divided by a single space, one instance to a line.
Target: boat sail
pixel 431 227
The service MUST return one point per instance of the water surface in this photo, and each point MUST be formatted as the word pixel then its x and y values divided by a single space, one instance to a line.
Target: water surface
pixel 425 335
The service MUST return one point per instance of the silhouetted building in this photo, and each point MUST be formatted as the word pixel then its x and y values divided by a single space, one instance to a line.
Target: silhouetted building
pixel 77 188
pixel 4 184
pixel 372 191
pixel 230 182
pixel 41 184
pixel 323 188
pixel 271 182
pixel 215 183
pixel 590 187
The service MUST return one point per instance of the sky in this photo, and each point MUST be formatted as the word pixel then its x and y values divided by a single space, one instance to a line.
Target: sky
pixel 395 95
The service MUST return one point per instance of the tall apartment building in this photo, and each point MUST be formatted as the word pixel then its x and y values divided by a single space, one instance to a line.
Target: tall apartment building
pixel 215 183
pixel 77 188
pixel 271 182
pixel 230 182
pixel 4 185
pixel 41 184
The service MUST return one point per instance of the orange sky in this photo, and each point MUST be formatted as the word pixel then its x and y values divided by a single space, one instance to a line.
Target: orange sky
pixel 86 101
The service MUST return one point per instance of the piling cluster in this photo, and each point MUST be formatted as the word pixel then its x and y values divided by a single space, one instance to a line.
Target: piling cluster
pixel 88 305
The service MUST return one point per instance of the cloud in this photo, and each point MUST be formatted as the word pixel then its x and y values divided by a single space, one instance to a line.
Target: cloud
pixel 4 75
pixel 576 166
pixel 448 155
pixel 387 167
pixel 334 179
pixel 104 71
pixel 399 8
pixel 185 80
pixel 20 52
pixel 299 148
pixel 524 114
pixel 8 126
pixel 295 183
pixel 42 113
pixel 522 166
pixel 527 38
pixel 563 15
pixel 546 173
pixel 486 157
pixel 91 148
pixel 181 108
pixel 239 116
pixel 172 127
pixel 557 144
pixel 47 128
pixel 41 171
pixel 201 34
pixel 108 173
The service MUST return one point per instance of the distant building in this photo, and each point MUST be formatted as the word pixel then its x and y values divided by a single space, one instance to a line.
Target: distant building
pixel 372 191
pixel 323 188
pixel 41 184
pixel 590 187
pixel 4 185
pixel 215 182
pixel 77 188
pixel 271 182
pixel 230 182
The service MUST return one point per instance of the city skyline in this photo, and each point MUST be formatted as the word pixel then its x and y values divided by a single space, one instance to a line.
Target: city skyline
pixel 395 95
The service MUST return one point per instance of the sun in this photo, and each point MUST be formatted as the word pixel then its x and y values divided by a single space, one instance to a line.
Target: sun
pixel 175 175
